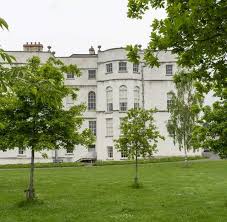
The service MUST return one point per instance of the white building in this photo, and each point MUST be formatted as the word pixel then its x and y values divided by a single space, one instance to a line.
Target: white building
pixel 109 85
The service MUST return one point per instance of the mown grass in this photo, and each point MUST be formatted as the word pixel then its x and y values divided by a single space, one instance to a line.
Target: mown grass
pixel 170 193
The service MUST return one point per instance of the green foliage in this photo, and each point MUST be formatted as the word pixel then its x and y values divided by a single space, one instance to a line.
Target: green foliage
pixel 196 31
pixel 3 55
pixel 139 135
pixel 184 111
pixel 146 161
pixel 32 113
pixel 212 131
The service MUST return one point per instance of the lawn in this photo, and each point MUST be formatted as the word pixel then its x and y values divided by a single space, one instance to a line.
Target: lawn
pixel 170 193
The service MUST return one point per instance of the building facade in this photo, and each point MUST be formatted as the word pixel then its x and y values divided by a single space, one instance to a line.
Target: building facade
pixel 109 85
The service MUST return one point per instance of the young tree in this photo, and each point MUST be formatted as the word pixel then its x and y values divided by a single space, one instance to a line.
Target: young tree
pixel 32 115
pixel 184 110
pixel 196 31
pixel 139 136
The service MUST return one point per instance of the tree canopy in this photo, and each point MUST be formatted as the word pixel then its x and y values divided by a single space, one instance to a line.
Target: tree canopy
pixel 139 135
pixel 196 32
pixel 32 115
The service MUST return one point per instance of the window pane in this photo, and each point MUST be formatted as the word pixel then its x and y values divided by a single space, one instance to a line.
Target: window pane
pixel 110 152
pixel 136 97
pixel 70 76
pixel 123 98
pixel 92 74
pixel 91 101
pixel 169 70
pixel 109 68
pixel 92 127
pixel 135 68
pixel 109 127
pixel 122 66
pixel 109 98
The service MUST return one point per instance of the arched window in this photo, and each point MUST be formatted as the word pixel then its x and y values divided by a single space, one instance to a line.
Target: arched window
pixel 136 97
pixel 91 101
pixel 123 98
pixel 109 98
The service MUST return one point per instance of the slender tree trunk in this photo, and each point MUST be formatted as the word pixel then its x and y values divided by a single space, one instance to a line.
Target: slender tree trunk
pixel 136 176
pixel 185 156
pixel 31 190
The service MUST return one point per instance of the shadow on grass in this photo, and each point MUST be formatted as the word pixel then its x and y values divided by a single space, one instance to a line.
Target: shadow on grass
pixel 137 186
pixel 30 203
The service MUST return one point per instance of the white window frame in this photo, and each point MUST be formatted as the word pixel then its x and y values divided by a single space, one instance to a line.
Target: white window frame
pixel 109 127
pixel 136 97
pixel 123 99
pixel 92 126
pixel 92 74
pixel 169 69
pixel 70 76
pixel 91 101
pixel 122 67
pixel 109 99
pixel 109 68
pixel 135 68
pixel 169 101
pixel 20 151
pixel 110 152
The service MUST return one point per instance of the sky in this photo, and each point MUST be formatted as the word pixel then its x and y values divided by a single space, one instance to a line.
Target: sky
pixel 72 26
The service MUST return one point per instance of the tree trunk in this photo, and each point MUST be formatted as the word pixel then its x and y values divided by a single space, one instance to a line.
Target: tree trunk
pixel 136 176
pixel 185 156
pixel 31 191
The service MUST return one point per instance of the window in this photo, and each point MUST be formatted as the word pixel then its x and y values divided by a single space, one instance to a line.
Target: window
pixel 69 151
pixel 169 101
pixel 122 66
pixel 109 68
pixel 91 148
pixel 169 70
pixel 123 154
pixel 20 151
pixel 136 68
pixel 123 98
pixel 109 98
pixel 136 97
pixel 92 74
pixel 70 76
pixel 92 127
pixel 120 121
pixel 69 101
pixel 109 127
pixel 110 152
pixel 91 101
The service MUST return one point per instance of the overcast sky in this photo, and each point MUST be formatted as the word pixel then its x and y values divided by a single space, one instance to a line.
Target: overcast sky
pixel 72 26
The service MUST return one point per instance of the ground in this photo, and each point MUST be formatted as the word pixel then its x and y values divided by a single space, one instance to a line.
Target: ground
pixel 170 193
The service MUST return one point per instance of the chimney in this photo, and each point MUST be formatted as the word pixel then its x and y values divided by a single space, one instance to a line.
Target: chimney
pixel 91 51
pixel 33 47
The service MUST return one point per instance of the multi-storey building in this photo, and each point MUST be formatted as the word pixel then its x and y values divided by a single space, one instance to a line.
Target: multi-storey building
pixel 109 85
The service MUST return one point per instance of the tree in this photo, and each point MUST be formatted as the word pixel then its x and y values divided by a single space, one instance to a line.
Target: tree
pixel 7 58
pixel 196 31
pixel 32 114
pixel 184 110
pixel 139 136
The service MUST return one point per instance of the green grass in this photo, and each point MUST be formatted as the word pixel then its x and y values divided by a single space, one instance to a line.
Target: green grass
pixel 170 192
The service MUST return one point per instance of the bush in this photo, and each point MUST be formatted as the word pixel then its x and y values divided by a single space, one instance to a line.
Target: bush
pixel 101 163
